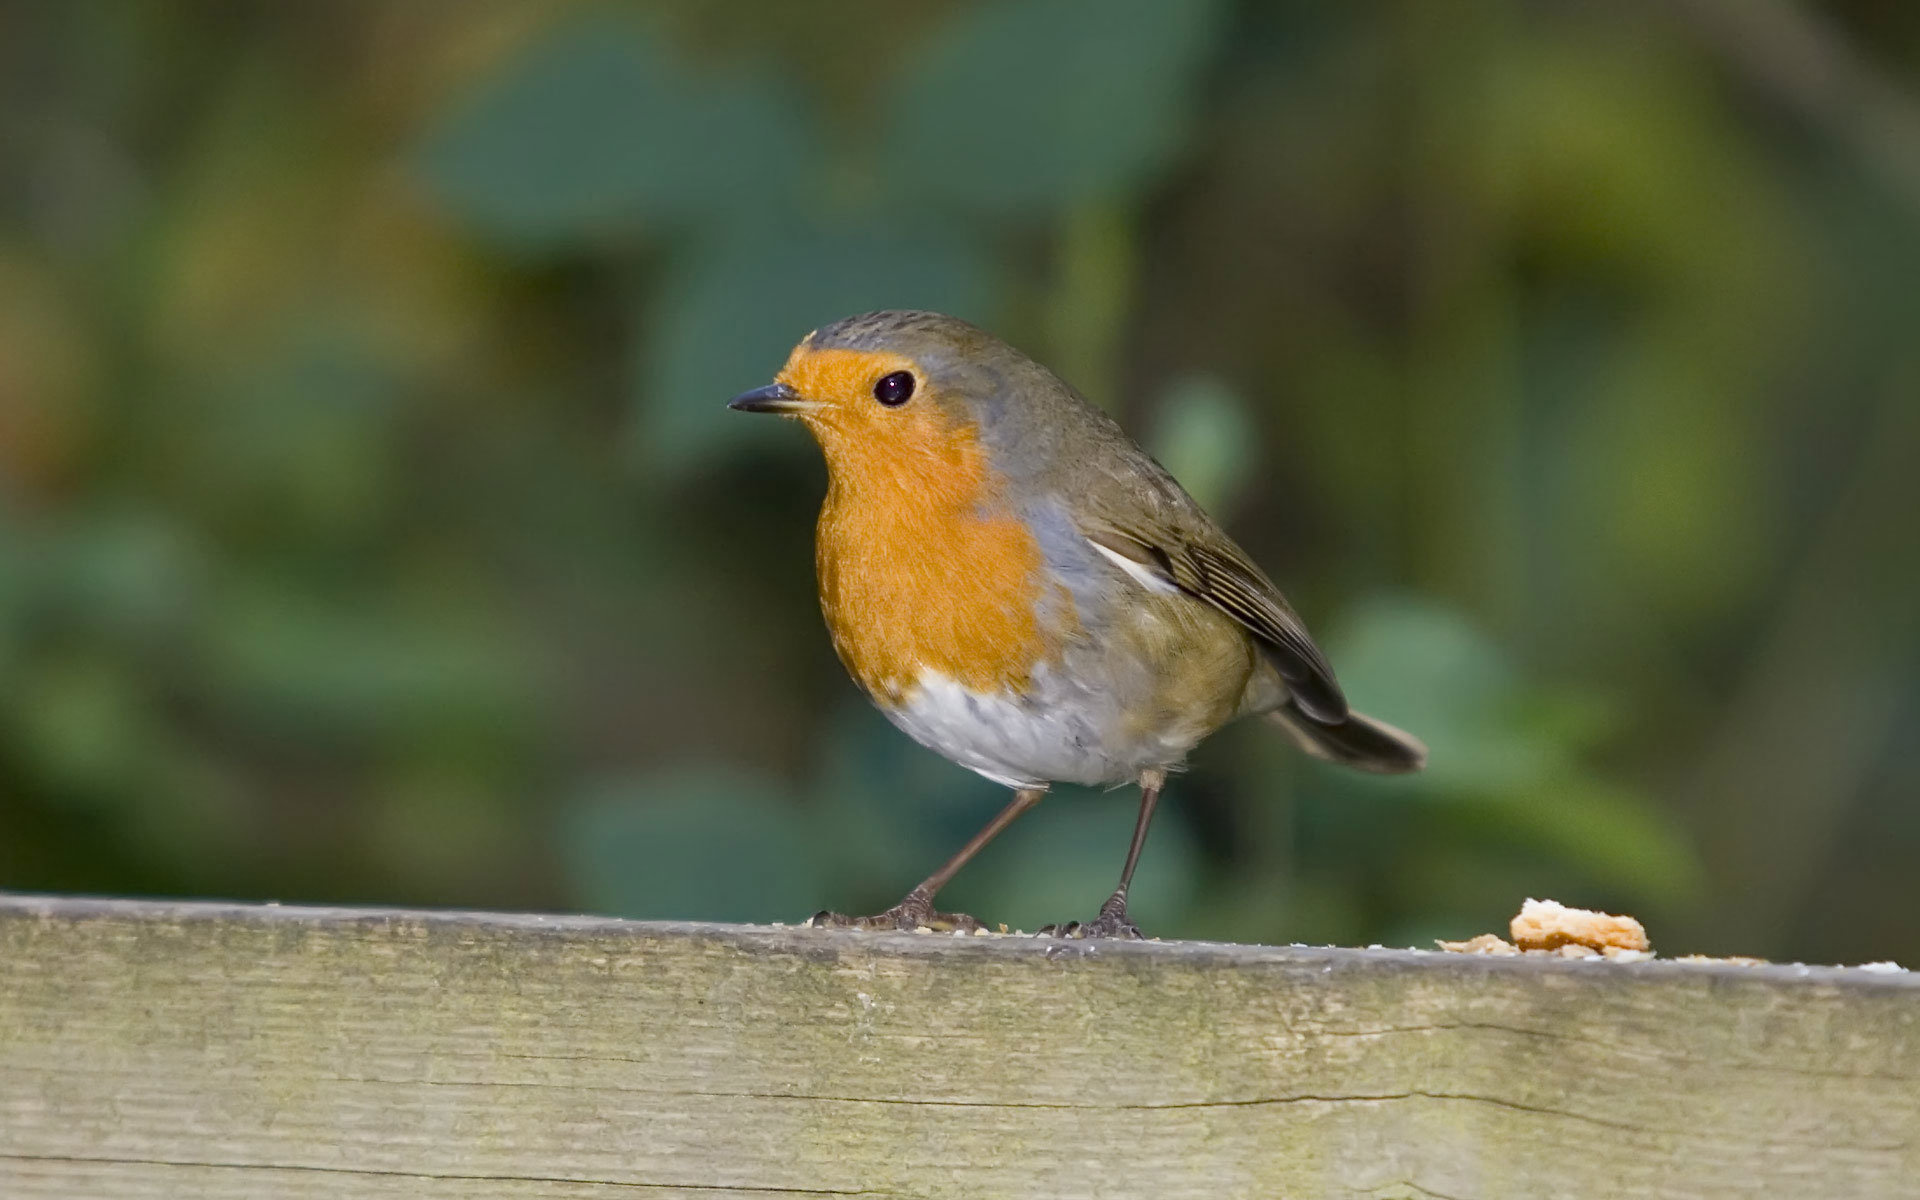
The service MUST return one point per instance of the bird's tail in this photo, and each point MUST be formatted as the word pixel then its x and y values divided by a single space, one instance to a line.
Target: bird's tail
pixel 1358 741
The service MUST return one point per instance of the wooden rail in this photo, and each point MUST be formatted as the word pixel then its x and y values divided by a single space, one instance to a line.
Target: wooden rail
pixel 169 1049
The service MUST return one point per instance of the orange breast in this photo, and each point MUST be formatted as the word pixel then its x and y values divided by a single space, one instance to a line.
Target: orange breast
pixel 922 567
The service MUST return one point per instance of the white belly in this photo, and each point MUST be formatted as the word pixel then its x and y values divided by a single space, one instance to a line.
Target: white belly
pixel 1055 734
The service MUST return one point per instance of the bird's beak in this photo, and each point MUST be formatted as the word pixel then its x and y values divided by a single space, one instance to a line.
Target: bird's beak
pixel 773 398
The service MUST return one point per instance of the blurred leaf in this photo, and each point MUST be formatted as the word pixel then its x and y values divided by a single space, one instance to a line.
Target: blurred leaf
pixel 693 844
pixel 1424 668
pixel 1095 269
pixel 304 436
pixel 1041 103
pixel 1611 832
pixel 321 670
pixel 88 728
pixel 1205 436
pixel 1679 278
pixel 598 126
pixel 127 572
pixel 1649 504
pixel 727 317
pixel 1506 757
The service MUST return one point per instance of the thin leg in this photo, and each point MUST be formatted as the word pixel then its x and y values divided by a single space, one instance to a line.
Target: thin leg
pixel 1150 784
pixel 917 908
pixel 1023 800
pixel 1113 920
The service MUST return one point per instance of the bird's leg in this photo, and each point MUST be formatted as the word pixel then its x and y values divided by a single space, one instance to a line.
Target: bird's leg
pixel 916 909
pixel 1113 921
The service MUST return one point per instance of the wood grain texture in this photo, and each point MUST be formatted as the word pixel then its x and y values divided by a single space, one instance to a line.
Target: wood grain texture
pixel 151 1050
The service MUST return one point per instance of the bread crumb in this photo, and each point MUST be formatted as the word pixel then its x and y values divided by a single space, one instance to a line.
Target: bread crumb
pixel 1550 925
pixel 1550 929
pixel 1889 967
pixel 1486 943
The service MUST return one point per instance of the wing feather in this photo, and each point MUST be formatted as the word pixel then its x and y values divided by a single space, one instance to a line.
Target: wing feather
pixel 1216 572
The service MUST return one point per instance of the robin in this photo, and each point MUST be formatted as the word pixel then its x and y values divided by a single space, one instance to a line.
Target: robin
pixel 1019 587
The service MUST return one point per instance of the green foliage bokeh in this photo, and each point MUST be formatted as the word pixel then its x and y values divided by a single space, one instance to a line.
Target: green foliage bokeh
pixel 372 527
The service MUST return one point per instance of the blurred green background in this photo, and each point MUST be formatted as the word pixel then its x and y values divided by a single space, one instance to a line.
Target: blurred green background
pixel 372 528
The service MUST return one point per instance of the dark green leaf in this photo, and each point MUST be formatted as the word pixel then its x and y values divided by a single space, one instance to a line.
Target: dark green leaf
pixel 598 126
pixel 1034 105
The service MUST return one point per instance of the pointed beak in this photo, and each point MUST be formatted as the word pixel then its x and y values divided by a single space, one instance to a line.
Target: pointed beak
pixel 773 398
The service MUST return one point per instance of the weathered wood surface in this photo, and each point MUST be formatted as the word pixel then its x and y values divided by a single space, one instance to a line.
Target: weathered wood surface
pixel 226 1051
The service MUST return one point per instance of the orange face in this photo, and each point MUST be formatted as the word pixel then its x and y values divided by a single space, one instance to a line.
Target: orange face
pixel 923 565
pixel 836 388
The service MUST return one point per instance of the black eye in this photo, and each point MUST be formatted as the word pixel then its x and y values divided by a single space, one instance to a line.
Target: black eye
pixel 895 389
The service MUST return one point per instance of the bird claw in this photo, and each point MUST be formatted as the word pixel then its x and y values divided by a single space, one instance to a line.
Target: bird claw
pixel 913 913
pixel 1112 922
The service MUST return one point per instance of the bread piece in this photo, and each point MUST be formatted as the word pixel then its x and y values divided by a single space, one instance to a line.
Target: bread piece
pixel 1549 925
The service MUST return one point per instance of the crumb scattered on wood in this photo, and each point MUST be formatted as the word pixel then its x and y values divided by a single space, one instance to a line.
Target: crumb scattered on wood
pixel 1486 943
pixel 1550 928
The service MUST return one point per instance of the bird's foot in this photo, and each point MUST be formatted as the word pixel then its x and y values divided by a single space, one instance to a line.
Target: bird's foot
pixel 1112 922
pixel 914 912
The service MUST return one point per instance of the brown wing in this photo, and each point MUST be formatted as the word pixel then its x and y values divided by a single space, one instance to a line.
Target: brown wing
pixel 1215 571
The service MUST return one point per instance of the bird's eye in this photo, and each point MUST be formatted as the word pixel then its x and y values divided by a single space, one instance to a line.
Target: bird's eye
pixel 895 389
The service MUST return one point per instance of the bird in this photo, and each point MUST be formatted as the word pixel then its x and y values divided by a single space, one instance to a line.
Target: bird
pixel 1021 588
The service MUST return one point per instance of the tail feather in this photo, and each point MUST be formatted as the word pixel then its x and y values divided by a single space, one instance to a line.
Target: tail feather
pixel 1359 741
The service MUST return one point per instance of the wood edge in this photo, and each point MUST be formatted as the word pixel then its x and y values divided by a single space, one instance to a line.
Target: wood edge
pixel 930 947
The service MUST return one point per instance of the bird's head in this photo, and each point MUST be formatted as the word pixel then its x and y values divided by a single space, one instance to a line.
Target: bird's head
pixel 894 391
